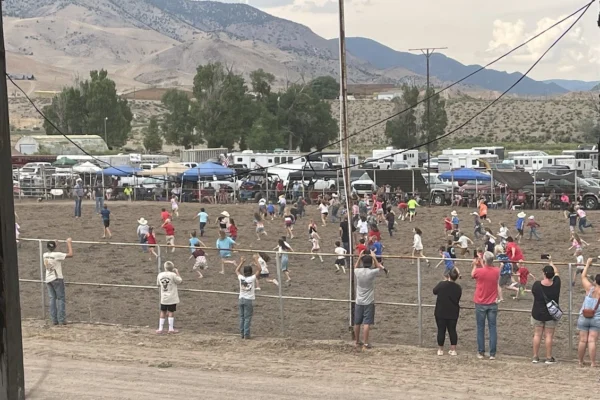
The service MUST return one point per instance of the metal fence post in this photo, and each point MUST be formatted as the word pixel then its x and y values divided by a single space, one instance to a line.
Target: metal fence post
pixel 570 310
pixel 419 302
pixel 158 268
pixel 42 279
pixel 281 314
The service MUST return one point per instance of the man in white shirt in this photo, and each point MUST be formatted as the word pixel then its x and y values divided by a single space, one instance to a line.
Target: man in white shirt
pixel 55 281
pixel 169 297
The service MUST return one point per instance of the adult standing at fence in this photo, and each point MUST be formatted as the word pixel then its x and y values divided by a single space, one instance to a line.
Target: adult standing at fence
pixel 142 232
pixel 486 308
pixel 55 281
pixel 247 281
pixel 79 193
pixel 99 195
pixel 364 312
pixel 544 291
pixel 447 309
pixel 588 323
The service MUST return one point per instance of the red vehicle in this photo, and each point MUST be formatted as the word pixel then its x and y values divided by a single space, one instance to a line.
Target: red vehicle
pixel 20 160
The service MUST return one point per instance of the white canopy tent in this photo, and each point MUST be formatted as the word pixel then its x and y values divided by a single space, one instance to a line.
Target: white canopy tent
pixel 168 169
pixel 86 168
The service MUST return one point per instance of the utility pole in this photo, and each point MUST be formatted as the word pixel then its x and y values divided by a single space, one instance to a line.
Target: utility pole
pixel 345 153
pixel 12 380
pixel 105 135
pixel 428 52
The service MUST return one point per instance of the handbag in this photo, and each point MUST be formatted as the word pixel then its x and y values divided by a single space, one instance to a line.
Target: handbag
pixel 590 312
pixel 553 307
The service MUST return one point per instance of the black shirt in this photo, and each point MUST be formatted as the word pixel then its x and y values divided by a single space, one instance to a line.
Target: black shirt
pixel 222 224
pixel 345 234
pixel 390 217
pixel 573 218
pixel 448 299
pixel 451 251
pixel 539 311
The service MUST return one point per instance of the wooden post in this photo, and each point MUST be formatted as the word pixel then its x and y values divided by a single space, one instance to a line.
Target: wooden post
pixel 12 381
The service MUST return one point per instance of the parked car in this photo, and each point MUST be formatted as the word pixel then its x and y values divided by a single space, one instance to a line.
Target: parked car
pixel 590 193
pixel 440 191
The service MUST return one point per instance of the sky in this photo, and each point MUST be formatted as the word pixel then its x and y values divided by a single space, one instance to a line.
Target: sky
pixel 475 31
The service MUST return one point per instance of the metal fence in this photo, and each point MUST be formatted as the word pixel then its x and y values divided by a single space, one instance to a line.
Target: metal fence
pixel 285 312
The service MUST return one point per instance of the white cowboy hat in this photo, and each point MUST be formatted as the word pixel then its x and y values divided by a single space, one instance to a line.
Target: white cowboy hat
pixel 334 195
pixel 474 213
pixel 521 215
pixel 454 213
pixel 531 217
pixel 225 213
pixel 142 221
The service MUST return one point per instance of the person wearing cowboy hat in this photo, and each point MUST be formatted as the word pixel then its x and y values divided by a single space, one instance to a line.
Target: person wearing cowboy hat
pixel 282 203
pixel 55 282
pixel 142 232
pixel 520 225
pixel 455 221
pixel 79 193
pixel 223 220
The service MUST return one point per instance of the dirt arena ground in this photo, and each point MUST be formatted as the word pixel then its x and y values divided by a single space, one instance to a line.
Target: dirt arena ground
pixel 83 362
pixel 304 319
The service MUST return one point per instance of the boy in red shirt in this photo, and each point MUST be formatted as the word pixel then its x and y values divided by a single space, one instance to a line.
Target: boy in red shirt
pixel 447 225
pixel 523 274
pixel 169 234
pixel 360 247
pixel 164 215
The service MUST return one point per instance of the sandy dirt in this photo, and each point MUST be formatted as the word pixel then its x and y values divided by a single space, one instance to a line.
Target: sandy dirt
pixel 306 320
pixel 82 362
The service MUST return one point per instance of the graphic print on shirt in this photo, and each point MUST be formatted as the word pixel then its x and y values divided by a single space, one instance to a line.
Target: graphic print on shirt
pixel 245 285
pixel 165 283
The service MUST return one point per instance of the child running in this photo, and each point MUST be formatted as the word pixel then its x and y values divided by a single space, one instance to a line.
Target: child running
pixel 391 220
pixel 271 210
pixel 418 246
pixel 195 242
pixel 260 225
pixel 448 262
pixel 225 245
pixel 524 275
pixel 340 261
pixel 288 220
pixel 577 243
pixel 233 230
pixel 164 215
pixel 447 225
pixel 520 225
pixel 169 234
pixel 324 209
pixel 412 208
pixel 375 246
pixel 316 247
pixel 175 206
pixel 579 263
pixel 203 219
pixel 260 261
pixel 284 248
pixel 533 225
pixel 200 260
pixel 455 220
pixel 151 240
pixel 105 214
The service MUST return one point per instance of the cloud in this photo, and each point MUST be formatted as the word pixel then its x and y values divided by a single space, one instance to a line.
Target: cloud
pixel 327 6
pixel 572 52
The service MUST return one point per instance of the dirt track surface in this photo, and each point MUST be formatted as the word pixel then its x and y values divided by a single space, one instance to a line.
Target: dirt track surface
pixel 208 313
pixel 83 362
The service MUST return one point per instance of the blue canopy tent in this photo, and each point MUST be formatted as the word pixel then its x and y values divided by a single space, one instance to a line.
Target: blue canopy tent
pixel 465 174
pixel 123 170
pixel 208 170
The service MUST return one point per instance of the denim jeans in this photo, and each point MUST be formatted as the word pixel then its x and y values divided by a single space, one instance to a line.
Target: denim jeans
pixel 78 206
pixel 99 204
pixel 583 224
pixel 489 312
pixel 533 232
pixel 281 209
pixel 334 213
pixel 246 310
pixel 143 241
pixel 56 293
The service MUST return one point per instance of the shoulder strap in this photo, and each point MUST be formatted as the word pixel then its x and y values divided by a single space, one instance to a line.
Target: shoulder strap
pixel 543 293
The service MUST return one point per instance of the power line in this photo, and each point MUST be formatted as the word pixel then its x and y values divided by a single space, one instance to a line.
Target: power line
pixel 318 150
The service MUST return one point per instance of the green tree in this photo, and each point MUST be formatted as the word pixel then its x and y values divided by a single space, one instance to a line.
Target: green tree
pixel 224 110
pixel 178 124
pixel 261 82
pixel 325 87
pixel 152 141
pixel 305 119
pixel 435 126
pixel 402 130
pixel 83 109
pixel 265 134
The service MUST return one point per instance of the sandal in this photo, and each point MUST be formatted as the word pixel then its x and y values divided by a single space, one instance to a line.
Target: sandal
pixel 367 346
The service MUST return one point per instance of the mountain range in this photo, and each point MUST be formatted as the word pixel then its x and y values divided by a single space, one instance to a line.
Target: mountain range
pixel 145 43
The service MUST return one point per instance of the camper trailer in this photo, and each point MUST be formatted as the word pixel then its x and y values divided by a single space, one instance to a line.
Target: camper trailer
pixel 410 157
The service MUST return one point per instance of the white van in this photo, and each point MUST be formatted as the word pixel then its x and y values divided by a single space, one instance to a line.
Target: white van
pixel 363 187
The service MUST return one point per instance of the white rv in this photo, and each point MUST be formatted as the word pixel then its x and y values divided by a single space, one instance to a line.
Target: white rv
pixel 449 162
pixel 410 157
pixel 532 163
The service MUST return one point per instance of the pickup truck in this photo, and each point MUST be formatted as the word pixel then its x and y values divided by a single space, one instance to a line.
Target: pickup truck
pixel 440 191
pixel 589 193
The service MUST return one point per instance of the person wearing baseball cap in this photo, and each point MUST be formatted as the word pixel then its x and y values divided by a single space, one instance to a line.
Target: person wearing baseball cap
pixel 55 281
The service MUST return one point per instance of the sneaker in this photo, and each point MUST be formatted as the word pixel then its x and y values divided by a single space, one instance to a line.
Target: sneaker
pixel 312 258
pixel 275 282
pixel 535 360
pixel 159 331
pixel 550 361
pixel 440 352
pixel 492 358
pixel 257 288
pixel 387 272
pixel 173 332
pixel 452 353
pixel 480 356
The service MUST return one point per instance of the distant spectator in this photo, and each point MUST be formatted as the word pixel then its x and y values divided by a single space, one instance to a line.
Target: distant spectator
pixel 169 297
pixel 99 196
pixel 588 322
pixel 486 294
pixel 55 281
pixel 79 193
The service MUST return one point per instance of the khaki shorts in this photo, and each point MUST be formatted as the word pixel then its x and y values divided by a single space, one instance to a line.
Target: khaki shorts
pixel 552 324
pixel 170 239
